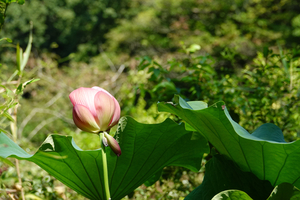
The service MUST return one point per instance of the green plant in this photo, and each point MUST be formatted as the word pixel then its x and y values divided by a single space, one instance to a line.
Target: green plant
pixel 12 89
pixel 267 90
pixel 256 162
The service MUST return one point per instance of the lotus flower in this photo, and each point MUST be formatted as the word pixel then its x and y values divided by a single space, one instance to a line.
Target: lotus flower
pixel 96 110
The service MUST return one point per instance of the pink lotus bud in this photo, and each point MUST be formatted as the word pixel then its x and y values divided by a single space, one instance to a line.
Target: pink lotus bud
pixel 113 144
pixel 95 109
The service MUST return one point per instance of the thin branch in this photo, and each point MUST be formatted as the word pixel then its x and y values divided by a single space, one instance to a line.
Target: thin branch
pixel 54 99
pixel 106 58
pixel 115 77
pixel 42 110
pixel 8 190
pixel 10 83
pixel 40 126
pixel 119 72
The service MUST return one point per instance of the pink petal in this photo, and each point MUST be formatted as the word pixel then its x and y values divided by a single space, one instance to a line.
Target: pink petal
pixel 85 97
pixel 116 115
pixel 99 89
pixel 113 144
pixel 105 108
pixel 84 119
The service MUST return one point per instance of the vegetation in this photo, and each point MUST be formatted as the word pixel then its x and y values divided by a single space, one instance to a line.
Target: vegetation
pixel 245 53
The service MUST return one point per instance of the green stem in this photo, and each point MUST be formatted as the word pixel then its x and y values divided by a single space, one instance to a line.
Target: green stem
pixel 105 171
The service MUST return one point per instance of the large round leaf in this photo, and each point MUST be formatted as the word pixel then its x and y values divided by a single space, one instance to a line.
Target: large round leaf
pixel 264 153
pixel 146 149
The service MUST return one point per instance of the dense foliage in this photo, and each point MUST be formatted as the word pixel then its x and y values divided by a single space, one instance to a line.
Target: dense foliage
pixel 130 28
pixel 56 23
pixel 257 93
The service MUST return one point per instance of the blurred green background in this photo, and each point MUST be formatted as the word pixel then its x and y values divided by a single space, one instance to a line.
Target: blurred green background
pixel 245 53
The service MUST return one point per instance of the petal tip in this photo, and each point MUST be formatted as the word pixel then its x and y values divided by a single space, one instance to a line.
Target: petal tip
pixel 114 145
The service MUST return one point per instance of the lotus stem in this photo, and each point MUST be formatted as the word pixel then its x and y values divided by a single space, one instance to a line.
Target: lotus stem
pixel 105 171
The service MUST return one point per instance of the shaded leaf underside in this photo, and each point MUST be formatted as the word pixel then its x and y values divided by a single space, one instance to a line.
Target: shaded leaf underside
pixel 222 174
pixel 146 149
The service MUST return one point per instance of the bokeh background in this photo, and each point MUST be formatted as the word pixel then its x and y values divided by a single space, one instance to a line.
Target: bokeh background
pixel 245 53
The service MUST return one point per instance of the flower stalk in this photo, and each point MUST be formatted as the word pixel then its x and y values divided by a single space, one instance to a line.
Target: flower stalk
pixel 104 163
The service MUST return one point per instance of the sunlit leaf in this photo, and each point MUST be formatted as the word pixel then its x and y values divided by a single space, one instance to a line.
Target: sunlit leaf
pixel 19 56
pixel 264 153
pixel 2 130
pixel 6 161
pixel 13 75
pixel 7 39
pixel 232 195
pixel 21 2
pixel 193 48
pixel 5 114
pixel 28 48
pixel 146 149
pixel 21 87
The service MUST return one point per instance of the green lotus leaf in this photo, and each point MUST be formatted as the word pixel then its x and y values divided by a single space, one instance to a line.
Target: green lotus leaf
pixel 146 150
pixel 222 175
pixel 264 152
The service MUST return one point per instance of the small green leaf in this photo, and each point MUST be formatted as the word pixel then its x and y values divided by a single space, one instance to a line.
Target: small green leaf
pixel 19 54
pixel 7 39
pixel 232 195
pixel 193 48
pixel 28 48
pixel 13 75
pixel 5 114
pixel 22 86
pixel 19 89
pixel 2 130
pixel 197 105
pixel 165 85
pixel 9 93
pixel 21 2
pixel 12 104
pixel 6 161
